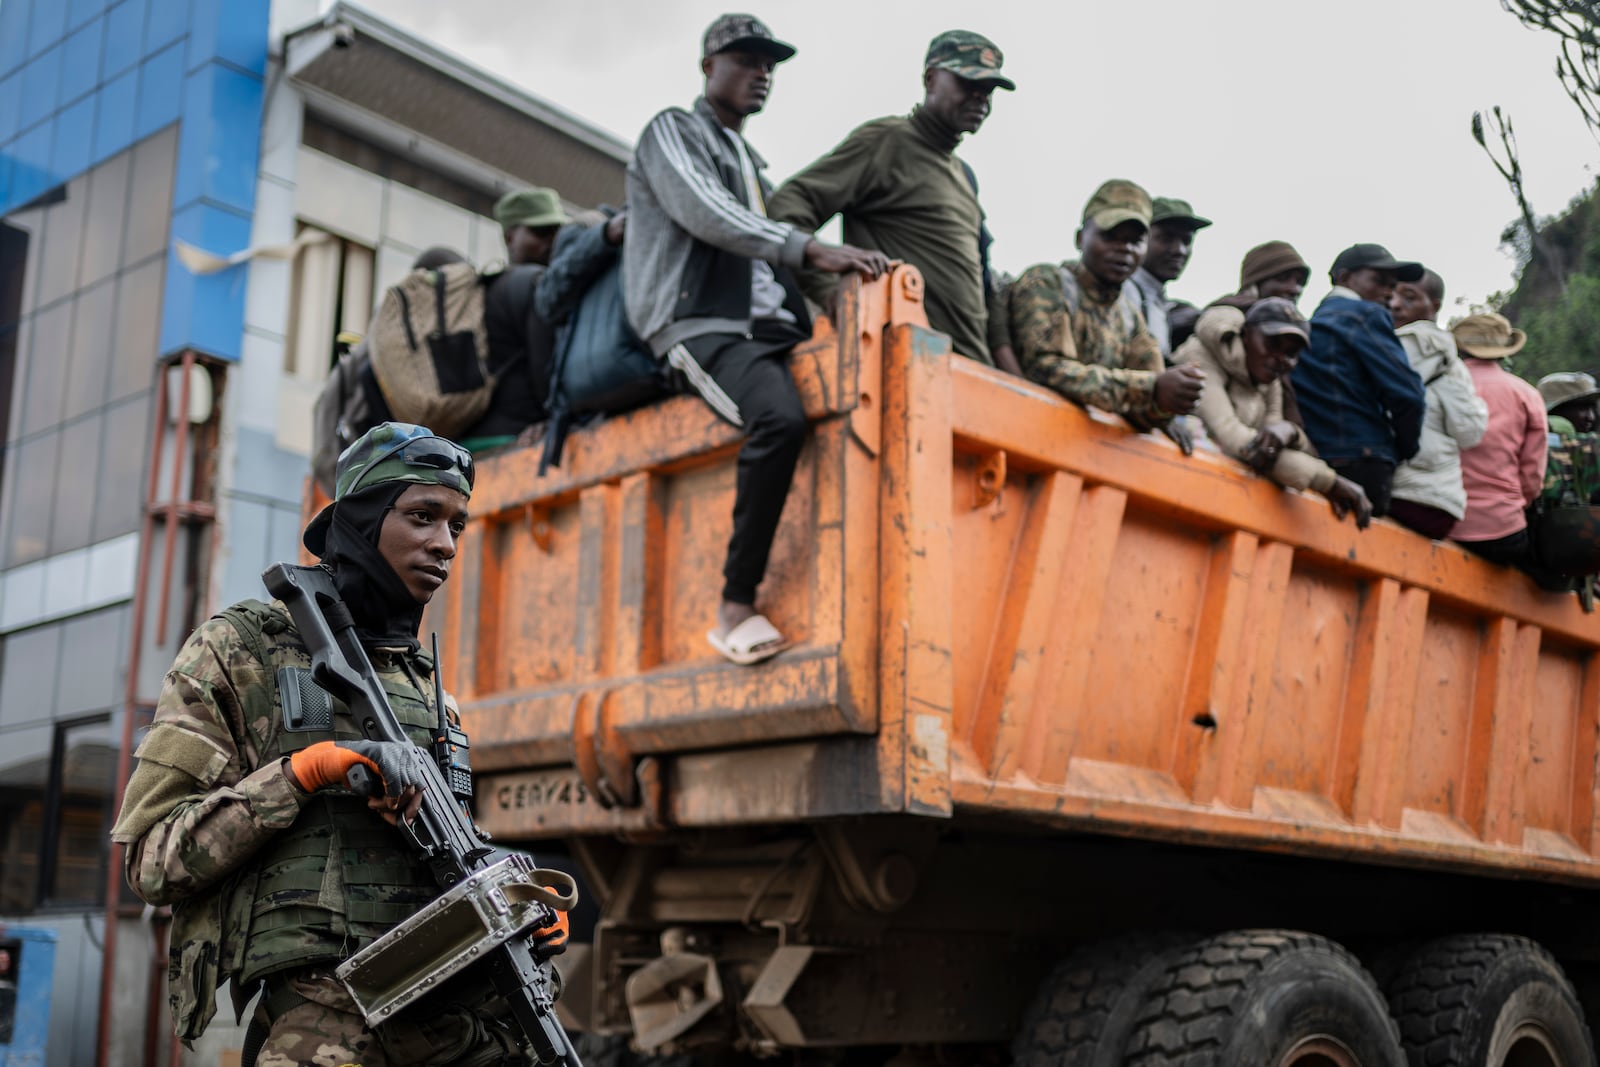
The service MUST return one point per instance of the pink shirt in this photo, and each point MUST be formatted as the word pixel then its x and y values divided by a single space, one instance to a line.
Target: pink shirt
pixel 1504 472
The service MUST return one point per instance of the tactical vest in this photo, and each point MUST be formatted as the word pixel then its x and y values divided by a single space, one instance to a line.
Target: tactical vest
pixel 335 880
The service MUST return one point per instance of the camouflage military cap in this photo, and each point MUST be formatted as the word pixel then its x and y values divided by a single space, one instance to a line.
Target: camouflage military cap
pixel 1175 212
pixel 1116 202
pixel 1566 387
pixel 393 452
pixel 743 33
pixel 968 55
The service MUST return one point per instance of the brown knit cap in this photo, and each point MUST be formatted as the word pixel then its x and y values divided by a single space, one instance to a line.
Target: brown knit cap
pixel 1267 260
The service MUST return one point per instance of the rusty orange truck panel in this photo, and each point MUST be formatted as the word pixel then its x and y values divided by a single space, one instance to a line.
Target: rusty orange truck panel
pixel 1007 606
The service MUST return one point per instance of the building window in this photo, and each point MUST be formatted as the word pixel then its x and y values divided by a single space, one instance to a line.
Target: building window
pixel 81 276
pixel 330 293
pixel 55 810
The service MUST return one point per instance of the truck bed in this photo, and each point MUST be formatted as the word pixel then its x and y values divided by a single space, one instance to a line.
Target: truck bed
pixel 1008 608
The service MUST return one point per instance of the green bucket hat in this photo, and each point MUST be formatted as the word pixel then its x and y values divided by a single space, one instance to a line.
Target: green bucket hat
pixel 393 452
pixel 530 207
pixel 967 55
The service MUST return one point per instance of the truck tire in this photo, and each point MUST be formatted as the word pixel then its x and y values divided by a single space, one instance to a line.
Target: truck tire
pixel 1086 1007
pixel 1491 1000
pixel 1264 998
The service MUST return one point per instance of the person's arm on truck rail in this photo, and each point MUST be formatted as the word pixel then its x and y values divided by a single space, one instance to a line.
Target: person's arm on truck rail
pixel 830 185
pixel 1041 331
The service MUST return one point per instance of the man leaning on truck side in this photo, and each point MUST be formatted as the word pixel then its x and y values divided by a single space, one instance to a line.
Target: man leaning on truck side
pixel 709 288
pixel 1077 332
pixel 1361 402
pixel 902 189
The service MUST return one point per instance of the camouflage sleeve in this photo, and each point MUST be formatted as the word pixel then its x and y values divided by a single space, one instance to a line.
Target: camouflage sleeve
pixel 197 807
pixel 1143 363
pixel 1041 334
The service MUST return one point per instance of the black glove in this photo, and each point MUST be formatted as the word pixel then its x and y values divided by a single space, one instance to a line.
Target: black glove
pixel 371 768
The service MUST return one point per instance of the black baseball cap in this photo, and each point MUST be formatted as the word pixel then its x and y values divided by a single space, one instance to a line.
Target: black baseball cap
pixel 1376 256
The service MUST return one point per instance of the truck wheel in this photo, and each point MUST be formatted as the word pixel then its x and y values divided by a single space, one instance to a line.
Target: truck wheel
pixel 1085 1008
pixel 1489 999
pixel 1264 998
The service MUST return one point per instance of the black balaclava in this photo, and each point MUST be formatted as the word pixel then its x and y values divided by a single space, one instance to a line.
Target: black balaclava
pixel 385 612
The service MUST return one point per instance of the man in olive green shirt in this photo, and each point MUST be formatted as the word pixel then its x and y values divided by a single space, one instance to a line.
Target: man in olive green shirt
pixel 903 191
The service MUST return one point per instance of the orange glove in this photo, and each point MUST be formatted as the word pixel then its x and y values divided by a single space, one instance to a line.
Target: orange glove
pixel 551 940
pixel 383 768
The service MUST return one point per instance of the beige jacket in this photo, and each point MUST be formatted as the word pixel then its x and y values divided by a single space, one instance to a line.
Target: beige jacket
pixel 1234 408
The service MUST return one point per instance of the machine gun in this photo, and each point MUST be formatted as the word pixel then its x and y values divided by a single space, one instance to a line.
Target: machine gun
pixel 488 908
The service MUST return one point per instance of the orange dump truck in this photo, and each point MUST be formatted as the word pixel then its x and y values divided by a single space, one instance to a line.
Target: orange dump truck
pixel 1085 748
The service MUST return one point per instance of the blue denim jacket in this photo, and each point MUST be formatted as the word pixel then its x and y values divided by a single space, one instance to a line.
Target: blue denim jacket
pixel 1358 395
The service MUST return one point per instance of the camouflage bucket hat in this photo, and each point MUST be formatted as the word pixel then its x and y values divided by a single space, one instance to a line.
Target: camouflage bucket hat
pixel 967 55
pixel 393 452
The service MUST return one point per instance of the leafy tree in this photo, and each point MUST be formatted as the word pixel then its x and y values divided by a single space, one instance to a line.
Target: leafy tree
pixel 1557 296
pixel 1577 24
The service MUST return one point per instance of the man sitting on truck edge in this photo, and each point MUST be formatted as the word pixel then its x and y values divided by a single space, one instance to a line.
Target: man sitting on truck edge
pixel 1077 332
pixel 1360 400
pixel 1245 357
pixel 709 289
pixel 239 814
pixel 903 190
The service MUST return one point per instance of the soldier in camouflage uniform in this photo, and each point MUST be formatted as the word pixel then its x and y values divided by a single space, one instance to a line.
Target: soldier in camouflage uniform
pixel 238 814
pixel 1075 330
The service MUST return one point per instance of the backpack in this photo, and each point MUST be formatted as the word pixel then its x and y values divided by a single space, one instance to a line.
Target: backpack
pixel 601 366
pixel 430 349
pixel 349 405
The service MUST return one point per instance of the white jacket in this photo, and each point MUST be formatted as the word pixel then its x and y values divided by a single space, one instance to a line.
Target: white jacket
pixel 1455 420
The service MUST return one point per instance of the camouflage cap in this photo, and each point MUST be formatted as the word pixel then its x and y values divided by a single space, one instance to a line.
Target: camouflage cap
pixel 1171 210
pixel 1566 387
pixel 534 207
pixel 1116 202
pixel 743 33
pixel 393 452
pixel 968 55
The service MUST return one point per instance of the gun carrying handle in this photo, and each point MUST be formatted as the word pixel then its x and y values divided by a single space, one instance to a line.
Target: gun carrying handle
pixel 554 889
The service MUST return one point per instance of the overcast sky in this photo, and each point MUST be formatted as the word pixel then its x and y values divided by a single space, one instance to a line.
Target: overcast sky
pixel 1320 124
